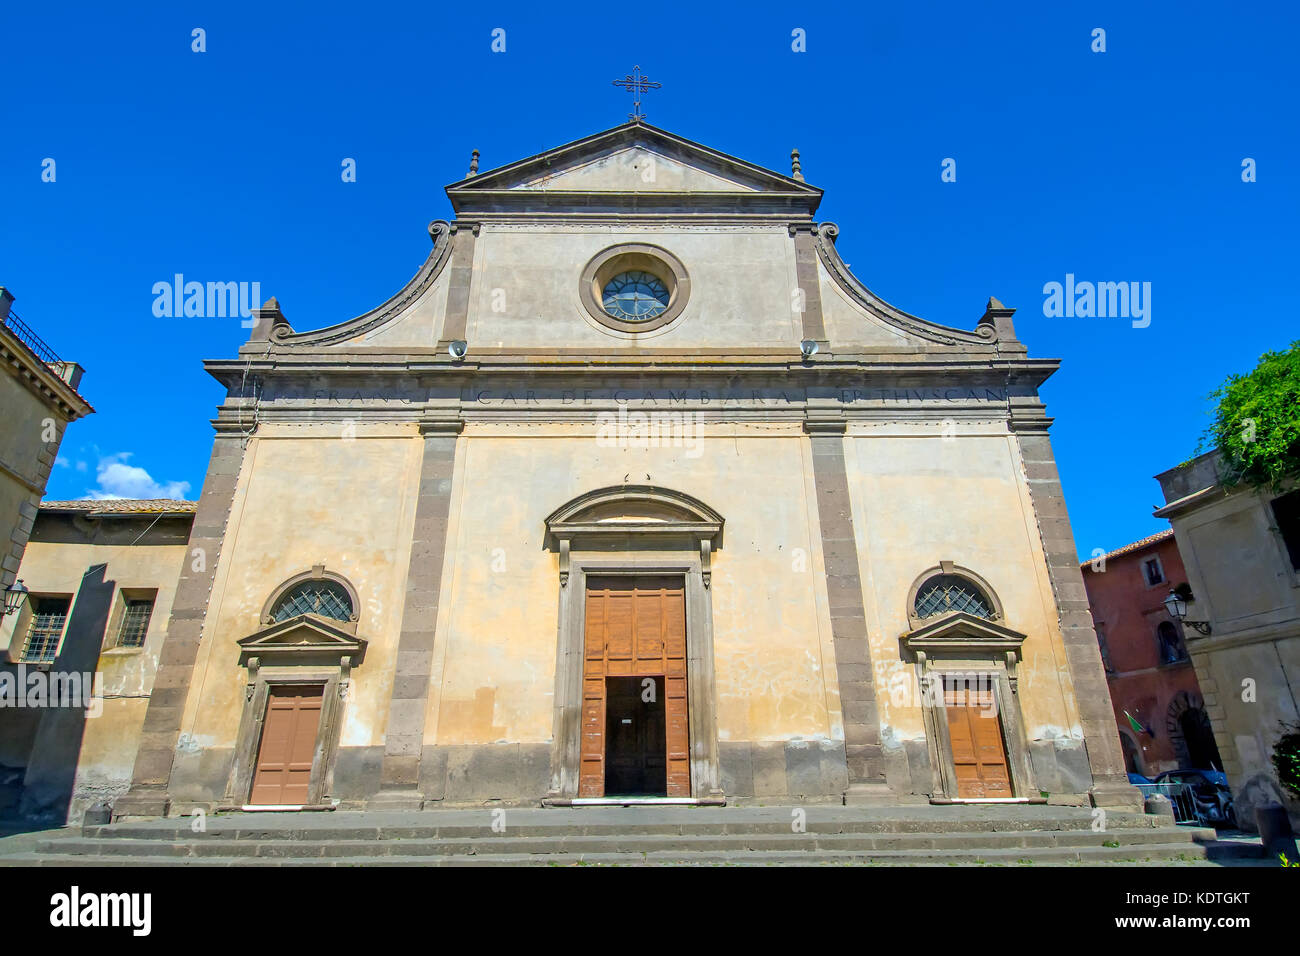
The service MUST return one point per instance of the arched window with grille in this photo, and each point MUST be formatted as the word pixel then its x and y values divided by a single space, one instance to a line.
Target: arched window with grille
pixel 947 593
pixel 317 592
pixel 324 598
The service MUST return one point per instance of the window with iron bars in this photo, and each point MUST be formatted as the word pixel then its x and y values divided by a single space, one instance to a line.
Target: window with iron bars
pixel 325 598
pixel 135 622
pixel 49 615
pixel 944 593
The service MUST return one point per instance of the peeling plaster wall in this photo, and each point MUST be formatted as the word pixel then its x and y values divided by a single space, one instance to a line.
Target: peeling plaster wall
pixel 494 669
pixel 897 473
pixel 356 518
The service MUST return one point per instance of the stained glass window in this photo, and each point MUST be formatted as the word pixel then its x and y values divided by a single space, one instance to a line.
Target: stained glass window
pixel 944 593
pixel 325 598
pixel 635 296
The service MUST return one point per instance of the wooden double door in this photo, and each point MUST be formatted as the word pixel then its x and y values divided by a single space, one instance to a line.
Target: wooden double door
pixel 287 749
pixel 635 732
pixel 979 755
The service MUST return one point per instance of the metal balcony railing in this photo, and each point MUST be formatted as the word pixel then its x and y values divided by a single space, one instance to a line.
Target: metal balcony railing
pixel 33 341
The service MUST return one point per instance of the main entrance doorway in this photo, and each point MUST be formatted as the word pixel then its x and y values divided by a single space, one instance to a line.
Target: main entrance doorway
pixel 288 745
pixel 975 731
pixel 636 742
pixel 635 735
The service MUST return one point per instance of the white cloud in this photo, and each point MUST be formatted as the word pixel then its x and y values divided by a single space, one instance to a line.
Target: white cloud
pixel 117 479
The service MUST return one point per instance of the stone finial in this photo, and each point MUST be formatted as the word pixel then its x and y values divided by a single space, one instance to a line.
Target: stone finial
pixel 473 163
pixel 796 169
pixel 998 317
pixel 265 319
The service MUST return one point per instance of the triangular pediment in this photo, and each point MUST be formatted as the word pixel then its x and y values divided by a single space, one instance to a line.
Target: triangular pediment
pixel 638 168
pixel 961 632
pixel 303 639
pixel 630 165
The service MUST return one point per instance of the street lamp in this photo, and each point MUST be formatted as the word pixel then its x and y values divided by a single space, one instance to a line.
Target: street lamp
pixel 1176 605
pixel 14 598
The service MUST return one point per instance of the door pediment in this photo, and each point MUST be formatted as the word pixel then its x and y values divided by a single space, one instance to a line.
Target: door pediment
pixel 646 510
pixel 303 640
pixel 964 634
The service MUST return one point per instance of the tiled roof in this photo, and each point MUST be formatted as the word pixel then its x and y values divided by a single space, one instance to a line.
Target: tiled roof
pixel 1135 546
pixel 122 506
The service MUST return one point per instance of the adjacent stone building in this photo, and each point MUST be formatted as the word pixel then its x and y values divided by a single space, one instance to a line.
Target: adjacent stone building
pixel 77 662
pixel 38 396
pixel 1241 549
pixel 1144 652
pixel 634 491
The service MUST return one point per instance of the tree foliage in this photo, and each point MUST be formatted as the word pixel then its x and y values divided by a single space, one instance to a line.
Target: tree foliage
pixel 1257 422
pixel 1286 758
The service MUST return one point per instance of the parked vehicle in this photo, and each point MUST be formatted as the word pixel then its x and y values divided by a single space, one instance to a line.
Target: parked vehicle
pixel 1210 794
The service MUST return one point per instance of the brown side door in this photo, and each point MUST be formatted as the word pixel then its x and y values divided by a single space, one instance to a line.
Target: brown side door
pixel 975 732
pixel 288 745
pixel 635 627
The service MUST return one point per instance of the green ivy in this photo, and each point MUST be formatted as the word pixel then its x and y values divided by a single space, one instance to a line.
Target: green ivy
pixel 1286 758
pixel 1257 422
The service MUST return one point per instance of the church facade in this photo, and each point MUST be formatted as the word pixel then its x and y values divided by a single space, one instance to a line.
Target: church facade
pixel 634 491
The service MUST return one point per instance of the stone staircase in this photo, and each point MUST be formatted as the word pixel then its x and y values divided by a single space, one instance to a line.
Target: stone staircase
pixel 929 835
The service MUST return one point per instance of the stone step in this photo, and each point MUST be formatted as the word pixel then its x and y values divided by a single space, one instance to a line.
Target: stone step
pixel 558 823
pixel 509 843
pixel 1162 853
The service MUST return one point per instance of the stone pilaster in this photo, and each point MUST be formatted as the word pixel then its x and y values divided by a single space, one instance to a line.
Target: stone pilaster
pixel 1083 657
pixel 866 765
pixel 148 796
pixel 460 276
pixel 805 263
pixel 404 736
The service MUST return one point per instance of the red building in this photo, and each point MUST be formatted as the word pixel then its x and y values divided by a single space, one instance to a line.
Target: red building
pixel 1152 682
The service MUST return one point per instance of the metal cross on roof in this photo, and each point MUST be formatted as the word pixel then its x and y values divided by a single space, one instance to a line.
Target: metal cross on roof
pixel 637 85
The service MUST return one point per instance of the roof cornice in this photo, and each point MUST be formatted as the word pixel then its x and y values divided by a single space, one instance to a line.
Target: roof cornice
pixel 39 378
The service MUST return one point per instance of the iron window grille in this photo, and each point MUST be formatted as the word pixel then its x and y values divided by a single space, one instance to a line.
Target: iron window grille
pixel 946 593
pixel 49 615
pixel 135 623
pixel 323 598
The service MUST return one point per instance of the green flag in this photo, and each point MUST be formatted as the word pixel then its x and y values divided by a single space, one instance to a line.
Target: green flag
pixel 1137 728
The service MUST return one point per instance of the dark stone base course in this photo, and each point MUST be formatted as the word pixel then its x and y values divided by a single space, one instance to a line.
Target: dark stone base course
pixel 1061 765
pixel 812 771
pixel 794 769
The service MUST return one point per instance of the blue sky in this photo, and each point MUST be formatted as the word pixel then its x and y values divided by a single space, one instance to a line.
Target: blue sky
pixel 225 166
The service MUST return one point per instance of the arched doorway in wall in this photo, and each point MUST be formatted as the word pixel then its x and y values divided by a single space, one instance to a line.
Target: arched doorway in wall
pixel 1191 733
